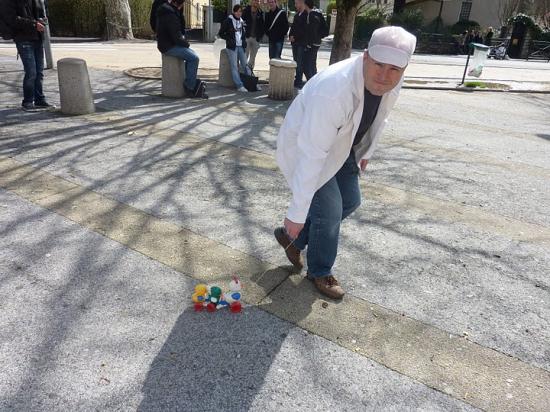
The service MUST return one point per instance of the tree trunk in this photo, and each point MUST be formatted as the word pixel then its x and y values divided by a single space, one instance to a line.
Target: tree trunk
pixel 343 32
pixel 119 20
pixel 399 6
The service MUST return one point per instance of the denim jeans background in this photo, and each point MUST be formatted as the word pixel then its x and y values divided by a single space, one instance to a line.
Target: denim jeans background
pixel 191 64
pixel 275 49
pixel 252 47
pixel 331 204
pixel 32 57
pixel 237 59
pixel 310 61
pixel 298 55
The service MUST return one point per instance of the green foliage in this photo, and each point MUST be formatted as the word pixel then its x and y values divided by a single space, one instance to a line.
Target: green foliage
pixel 530 23
pixel 331 6
pixel 462 25
pixel 409 19
pixel 87 17
pixel 371 19
pixel 77 17
pixel 220 5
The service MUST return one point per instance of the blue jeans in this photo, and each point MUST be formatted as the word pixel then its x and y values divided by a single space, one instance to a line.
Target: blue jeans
pixel 298 55
pixel 191 64
pixel 275 49
pixel 237 58
pixel 310 61
pixel 32 56
pixel 331 204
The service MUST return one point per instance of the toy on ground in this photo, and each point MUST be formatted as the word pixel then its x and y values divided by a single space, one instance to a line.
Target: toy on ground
pixel 213 298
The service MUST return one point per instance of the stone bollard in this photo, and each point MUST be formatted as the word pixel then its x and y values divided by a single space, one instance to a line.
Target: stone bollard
pixel 74 87
pixel 173 76
pixel 224 76
pixel 281 79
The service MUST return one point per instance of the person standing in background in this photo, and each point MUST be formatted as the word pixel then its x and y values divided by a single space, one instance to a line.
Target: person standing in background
pixel 253 18
pixel 26 19
pixel 297 37
pixel 276 28
pixel 316 29
pixel 233 32
pixel 489 36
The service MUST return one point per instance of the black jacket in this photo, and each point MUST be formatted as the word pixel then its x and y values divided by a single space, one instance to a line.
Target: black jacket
pixel 153 16
pixel 227 32
pixel 170 28
pixel 316 28
pixel 298 29
pixel 247 17
pixel 280 28
pixel 22 15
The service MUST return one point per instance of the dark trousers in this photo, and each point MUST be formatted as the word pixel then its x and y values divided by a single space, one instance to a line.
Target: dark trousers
pixel 32 57
pixel 298 55
pixel 310 61
pixel 275 49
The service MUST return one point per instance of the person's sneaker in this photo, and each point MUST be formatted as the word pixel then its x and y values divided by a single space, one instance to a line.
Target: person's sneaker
pixel 29 107
pixel 258 88
pixel 42 105
pixel 328 286
pixel 242 89
pixel 293 254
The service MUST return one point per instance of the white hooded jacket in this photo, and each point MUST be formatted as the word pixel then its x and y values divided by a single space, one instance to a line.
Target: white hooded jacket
pixel 318 131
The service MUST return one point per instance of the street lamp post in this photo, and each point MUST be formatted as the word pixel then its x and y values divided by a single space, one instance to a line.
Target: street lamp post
pixel 47 42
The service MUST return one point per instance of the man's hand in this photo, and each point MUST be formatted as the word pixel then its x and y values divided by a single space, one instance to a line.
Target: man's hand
pixel 291 38
pixel 363 164
pixel 293 229
pixel 40 27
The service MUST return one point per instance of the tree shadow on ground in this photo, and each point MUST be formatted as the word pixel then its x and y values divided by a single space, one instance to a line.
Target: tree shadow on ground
pixel 240 347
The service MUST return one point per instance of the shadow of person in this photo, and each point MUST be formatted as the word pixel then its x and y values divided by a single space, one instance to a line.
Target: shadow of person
pixel 218 361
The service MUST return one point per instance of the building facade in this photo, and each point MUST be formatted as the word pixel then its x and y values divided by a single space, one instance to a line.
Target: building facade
pixel 485 12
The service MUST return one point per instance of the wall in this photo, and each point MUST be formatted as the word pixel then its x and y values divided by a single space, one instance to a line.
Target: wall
pixel 485 12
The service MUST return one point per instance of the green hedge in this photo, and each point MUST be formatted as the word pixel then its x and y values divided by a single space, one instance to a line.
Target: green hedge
pixel 86 18
pixel 368 22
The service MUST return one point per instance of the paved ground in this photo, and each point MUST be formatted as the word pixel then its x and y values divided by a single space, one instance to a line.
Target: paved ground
pixel 424 70
pixel 107 219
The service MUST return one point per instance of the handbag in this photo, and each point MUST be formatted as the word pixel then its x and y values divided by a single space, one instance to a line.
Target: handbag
pixel 250 82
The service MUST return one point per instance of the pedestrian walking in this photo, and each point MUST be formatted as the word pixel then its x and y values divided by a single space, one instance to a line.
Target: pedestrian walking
pixel 328 136
pixel 276 28
pixel 172 42
pixel 26 22
pixel 298 40
pixel 253 17
pixel 233 31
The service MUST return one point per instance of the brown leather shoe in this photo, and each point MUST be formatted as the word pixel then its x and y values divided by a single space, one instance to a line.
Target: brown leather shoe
pixel 293 254
pixel 328 286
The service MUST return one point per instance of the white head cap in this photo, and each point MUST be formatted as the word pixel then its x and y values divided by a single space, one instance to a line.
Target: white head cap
pixel 392 45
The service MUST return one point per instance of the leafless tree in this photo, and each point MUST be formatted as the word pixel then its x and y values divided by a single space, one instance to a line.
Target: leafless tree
pixel 119 19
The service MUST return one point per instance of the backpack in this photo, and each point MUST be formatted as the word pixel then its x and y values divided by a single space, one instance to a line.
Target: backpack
pixel 6 10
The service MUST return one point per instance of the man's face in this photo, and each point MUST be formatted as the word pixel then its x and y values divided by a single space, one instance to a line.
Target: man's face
pixel 380 78
pixel 299 5
pixel 256 3
pixel 272 4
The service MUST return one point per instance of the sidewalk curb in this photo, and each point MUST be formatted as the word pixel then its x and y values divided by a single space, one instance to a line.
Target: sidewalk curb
pixel 474 89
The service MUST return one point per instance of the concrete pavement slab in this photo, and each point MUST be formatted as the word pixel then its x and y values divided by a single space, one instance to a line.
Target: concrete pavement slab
pixel 106 328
